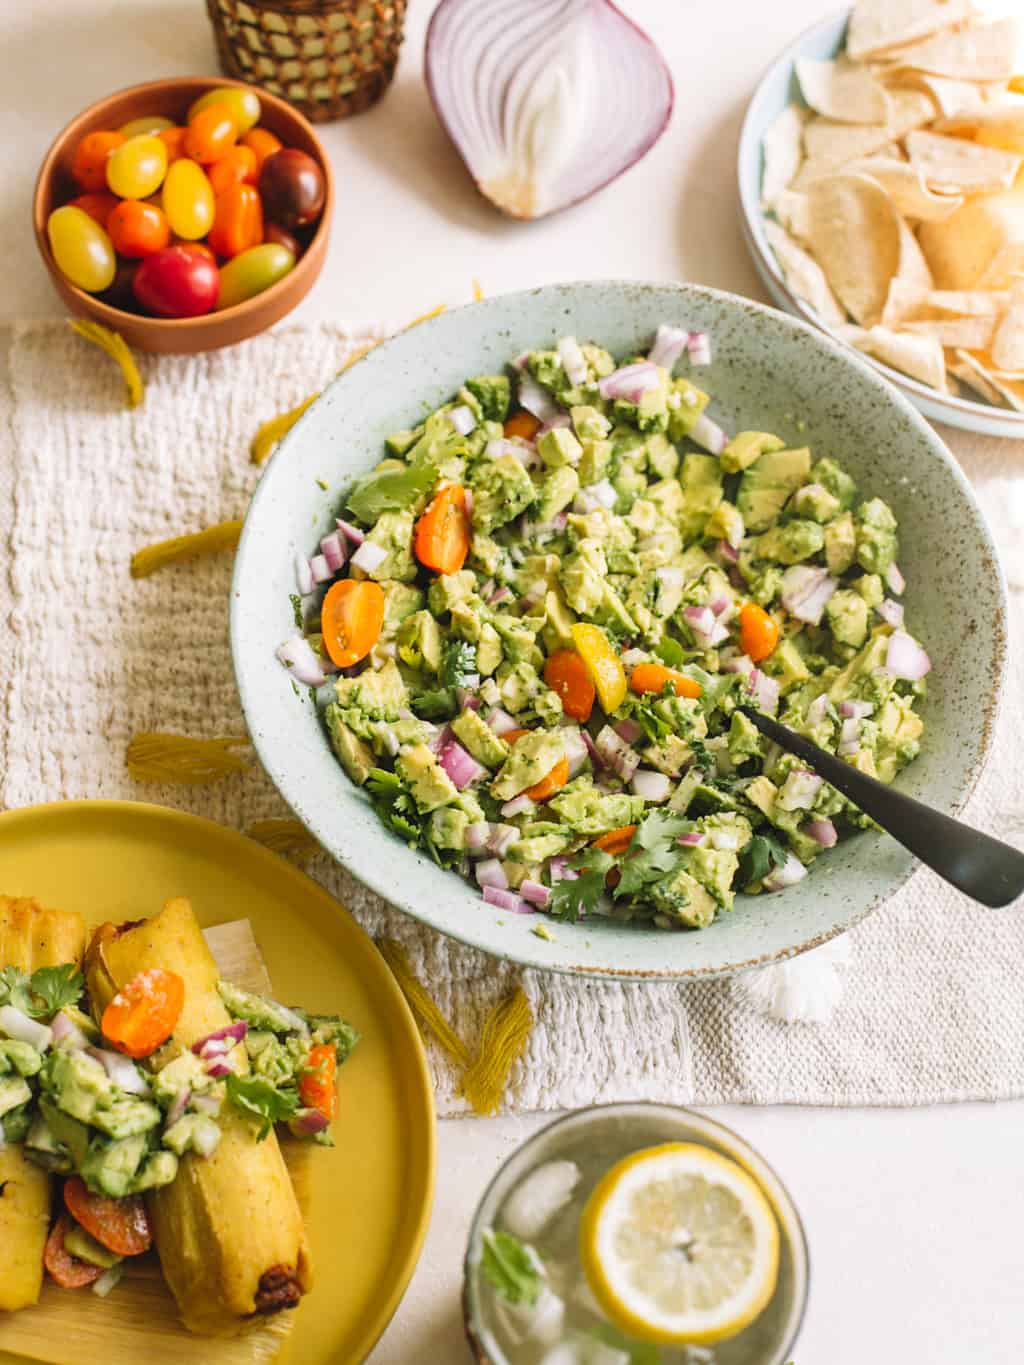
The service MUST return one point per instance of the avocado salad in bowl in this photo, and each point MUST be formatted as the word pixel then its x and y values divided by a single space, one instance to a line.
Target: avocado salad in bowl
pixel 526 620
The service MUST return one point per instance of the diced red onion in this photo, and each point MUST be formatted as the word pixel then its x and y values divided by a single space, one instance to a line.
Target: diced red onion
pixel 121 1070
pixel 617 754
pixel 741 664
pixel 206 1139
pixel 692 839
pixel 386 736
pixel 719 605
pixel 334 549
pixel 628 729
pixel 858 709
pixel 806 591
pixel 791 872
pixel 206 1104
pixel 519 805
pixel 22 1029
pixel 849 732
pixel 521 361
pixel 799 790
pixel 67 1034
pixel 462 419
pixel 576 752
pixel 764 690
pixel 848 748
pixel 894 580
pixel 500 721
pixel 218 1068
pixel 592 750
pixel 818 709
pixel 500 838
pixel 535 893
pixel 178 1106
pixel 350 532
pixel 707 631
pixel 554 527
pixel 670 576
pixel 507 900
pixel 651 785
pixel 320 569
pixel 439 739
pixel 573 361
pixel 459 764
pixel 536 399
pixel 559 869
pixel 891 612
pixel 727 553
pixel 303 576
pixel 709 435
pixel 467 700
pixel 556 423
pixel 309 1122
pixel 524 451
pixel 489 872
pixel 601 493
pixel 699 346
pixel 369 557
pixel 905 658
pixel 823 832
pixel 669 345
pixel 630 382
pixel 477 836
pixel 301 661
pixel 724 840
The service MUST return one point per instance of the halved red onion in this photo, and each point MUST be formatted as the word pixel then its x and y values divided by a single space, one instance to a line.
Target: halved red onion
pixel 630 382
pixel 791 872
pixel 573 362
pixel 462 419
pixel 857 709
pixel 320 569
pixel 726 552
pixel 334 549
pixel 519 805
pixel 669 345
pixel 891 612
pixel 17 1025
pixel 535 893
pixel 699 346
pixel 507 900
pixel 67 1034
pixel 459 764
pixel 178 1106
pixel 806 591
pixel 545 103
pixel 309 1122
pixel 302 661
pixel 536 399
pixel 500 721
pixel 651 785
pixel 742 663
pixel 303 575
pixel 894 580
pixel 121 1070
pixel 369 557
pixel 489 872
pixel 500 838
pixel 823 832
pixel 905 658
pixel 799 790
pixel 691 839
pixel 350 532
pixel 628 729
pixel 708 435
pixel 764 691
pixel 617 754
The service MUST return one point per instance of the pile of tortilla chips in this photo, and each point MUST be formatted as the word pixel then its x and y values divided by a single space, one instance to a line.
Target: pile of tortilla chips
pixel 895 194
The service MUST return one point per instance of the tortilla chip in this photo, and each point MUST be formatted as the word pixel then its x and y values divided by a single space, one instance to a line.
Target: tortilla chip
pixel 782 148
pixel 973 334
pixel 1011 393
pixel 1004 121
pixel 975 52
pixel 905 186
pixel 1007 345
pixel 830 146
pixel 790 208
pixel 904 300
pixel 953 165
pixel 967 303
pixel 804 275
pixel 876 25
pixel 950 97
pixel 980 247
pixel 855 236
pixel 977 383
pixel 919 357
pixel 909 109
pixel 842 91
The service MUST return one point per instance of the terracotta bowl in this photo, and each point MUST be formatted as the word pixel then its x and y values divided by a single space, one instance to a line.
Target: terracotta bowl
pixel 171 98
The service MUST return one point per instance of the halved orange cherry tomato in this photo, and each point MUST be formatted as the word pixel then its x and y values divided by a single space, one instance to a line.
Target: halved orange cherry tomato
pixel 616 841
pixel 263 143
pixel 237 220
pixel 99 205
pixel 89 165
pixel 142 1015
pixel 522 424
pixel 759 632
pixel 653 677
pixel 351 619
pixel 138 229
pixel 67 1270
pixel 318 1085
pixel 442 532
pixel 120 1225
pixel 235 167
pixel 566 673
pixel 553 782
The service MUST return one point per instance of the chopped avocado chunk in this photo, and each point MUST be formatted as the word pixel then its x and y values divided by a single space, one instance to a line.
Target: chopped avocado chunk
pixel 768 483
pixel 815 503
pixel 745 447
pixel 477 736
pixel 494 394
pixel 420 642
pixel 429 783
pixel 559 447
pixel 355 756
pixel 701 483
pixel 789 543
pixel 532 757
pixel 848 618
pixel 192 1133
pixel 14 1092
pixel 840 544
pixel 501 490
pixel 257 1010
pixel 876 536
pixel 836 481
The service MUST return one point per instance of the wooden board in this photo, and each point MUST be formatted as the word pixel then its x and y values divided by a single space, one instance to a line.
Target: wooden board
pixel 139 1321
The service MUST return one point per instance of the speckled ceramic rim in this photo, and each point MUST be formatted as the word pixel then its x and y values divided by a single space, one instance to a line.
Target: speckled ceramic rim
pixel 958 412
pixel 699 1127
pixel 531 951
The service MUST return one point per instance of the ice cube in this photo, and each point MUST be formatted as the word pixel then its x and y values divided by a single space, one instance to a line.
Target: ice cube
pixel 539 1321
pixel 536 1200
pixel 599 1353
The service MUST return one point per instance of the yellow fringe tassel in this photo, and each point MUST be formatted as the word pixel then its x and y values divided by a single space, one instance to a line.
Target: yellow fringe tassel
pixel 478 291
pixel 155 757
pixel 116 347
pixel 425 317
pixel 504 1036
pixel 224 536
pixel 287 837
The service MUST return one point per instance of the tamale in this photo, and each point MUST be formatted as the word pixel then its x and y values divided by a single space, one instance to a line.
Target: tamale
pixel 30 937
pixel 228 1231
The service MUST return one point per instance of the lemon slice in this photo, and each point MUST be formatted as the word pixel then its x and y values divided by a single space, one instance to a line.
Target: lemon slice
pixel 679 1245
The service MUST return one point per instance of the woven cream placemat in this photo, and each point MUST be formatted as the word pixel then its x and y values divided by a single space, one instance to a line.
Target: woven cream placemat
pixel 932 1007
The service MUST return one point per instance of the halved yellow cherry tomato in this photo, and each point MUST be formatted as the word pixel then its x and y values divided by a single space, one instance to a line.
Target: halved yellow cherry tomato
pixel 602 663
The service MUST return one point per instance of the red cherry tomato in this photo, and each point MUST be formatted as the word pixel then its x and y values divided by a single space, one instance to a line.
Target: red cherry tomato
pixel 138 229
pixel 177 283
pixel 274 232
pixel 237 221
pixel 211 134
pixel 292 187
pixel 199 248
pixel 89 166
pixel 99 205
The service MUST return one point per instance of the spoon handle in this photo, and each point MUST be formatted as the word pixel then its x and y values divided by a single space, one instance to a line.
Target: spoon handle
pixel 984 868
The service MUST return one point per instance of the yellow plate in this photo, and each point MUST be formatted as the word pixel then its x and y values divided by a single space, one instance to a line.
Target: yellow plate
pixel 371 1195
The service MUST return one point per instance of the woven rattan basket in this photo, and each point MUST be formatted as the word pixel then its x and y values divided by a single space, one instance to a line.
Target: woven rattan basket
pixel 330 58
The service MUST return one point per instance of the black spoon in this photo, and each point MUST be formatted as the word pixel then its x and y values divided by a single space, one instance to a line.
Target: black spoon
pixel 984 868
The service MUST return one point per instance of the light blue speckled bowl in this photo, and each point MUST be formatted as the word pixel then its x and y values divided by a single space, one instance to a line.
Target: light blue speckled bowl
pixel 769 372
pixel 777 89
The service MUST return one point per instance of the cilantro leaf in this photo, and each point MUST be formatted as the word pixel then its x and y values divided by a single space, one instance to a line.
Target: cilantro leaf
pixel 653 853
pixel 259 1099
pixel 759 857
pixel 57 987
pixel 14 989
pixel 437 704
pixel 510 1268
pixel 390 490
pixel 570 900
pixel 296 601
pixel 670 652
pixel 393 803
pixel 459 664
pixel 654 726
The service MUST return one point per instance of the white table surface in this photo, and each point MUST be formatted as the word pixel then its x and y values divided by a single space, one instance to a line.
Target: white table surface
pixel 914 1217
